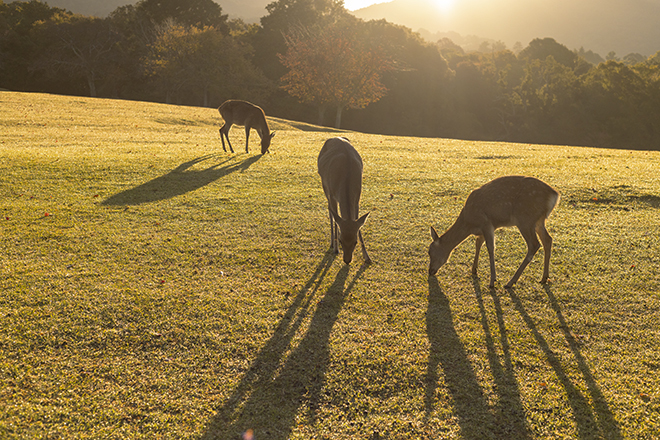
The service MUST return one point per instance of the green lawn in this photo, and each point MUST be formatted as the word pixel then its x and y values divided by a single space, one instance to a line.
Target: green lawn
pixel 154 287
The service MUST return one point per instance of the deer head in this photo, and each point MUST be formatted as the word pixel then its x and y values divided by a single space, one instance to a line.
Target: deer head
pixel 438 253
pixel 265 142
pixel 348 234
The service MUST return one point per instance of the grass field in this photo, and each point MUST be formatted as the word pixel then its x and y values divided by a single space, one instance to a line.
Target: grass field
pixel 154 287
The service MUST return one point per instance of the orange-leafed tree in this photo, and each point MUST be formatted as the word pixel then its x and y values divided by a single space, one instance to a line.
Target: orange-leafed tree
pixel 333 67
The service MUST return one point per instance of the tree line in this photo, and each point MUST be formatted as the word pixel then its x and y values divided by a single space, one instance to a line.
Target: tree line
pixel 311 60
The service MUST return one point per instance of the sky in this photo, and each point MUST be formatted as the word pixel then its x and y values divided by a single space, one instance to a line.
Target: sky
pixel 621 26
pixel 353 5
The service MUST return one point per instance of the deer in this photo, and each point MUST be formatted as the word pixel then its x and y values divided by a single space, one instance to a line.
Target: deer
pixel 340 168
pixel 524 202
pixel 248 115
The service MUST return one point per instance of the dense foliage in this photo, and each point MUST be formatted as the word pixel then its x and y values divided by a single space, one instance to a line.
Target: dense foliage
pixel 329 67
pixel 190 53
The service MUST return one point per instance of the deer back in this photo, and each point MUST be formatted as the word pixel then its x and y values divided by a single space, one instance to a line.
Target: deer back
pixel 244 113
pixel 510 201
pixel 340 168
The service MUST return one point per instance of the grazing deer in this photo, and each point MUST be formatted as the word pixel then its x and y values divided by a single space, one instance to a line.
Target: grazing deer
pixel 248 115
pixel 524 202
pixel 340 168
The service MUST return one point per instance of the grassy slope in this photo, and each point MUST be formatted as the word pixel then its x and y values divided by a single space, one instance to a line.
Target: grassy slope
pixel 175 291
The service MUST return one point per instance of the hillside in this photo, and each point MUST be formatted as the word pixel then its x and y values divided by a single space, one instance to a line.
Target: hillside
pixel 153 286
pixel 97 8
pixel 614 25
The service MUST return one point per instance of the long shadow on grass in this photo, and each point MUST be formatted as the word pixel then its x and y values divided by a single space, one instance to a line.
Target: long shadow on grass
pixel 447 351
pixel 277 385
pixel 592 423
pixel 179 181
pixel 608 426
pixel 510 414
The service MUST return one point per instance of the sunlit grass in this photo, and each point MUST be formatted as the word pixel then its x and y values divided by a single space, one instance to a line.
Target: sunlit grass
pixel 152 286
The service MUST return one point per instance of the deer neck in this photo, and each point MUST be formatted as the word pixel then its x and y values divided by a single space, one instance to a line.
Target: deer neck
pixel 262 129
pixel 348 212
pixel 348 205
pixel 456 234
pixel 259 123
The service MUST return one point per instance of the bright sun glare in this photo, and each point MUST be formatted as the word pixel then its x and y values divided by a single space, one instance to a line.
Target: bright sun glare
pixel 444 5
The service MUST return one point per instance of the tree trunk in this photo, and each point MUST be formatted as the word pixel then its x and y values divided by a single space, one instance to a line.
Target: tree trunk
pixel 338 118
pixel 92 84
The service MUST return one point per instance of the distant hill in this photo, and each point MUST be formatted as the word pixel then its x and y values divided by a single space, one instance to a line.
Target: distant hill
pixel 248 10
pixel 622 26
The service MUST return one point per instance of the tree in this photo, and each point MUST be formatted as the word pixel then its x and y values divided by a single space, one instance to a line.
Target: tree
pixel 624 105
pixel 491 46
pixel 549 99
pixel 590 56
pixel 201 63
pixel 77 45
pixel 611 56
pixel 18 49
pixel 418 100
pixel 517 47
pixel 283 17
pixel 633 58
pixel 654 59
pixel 542 48
pixel 330 67
pixel 187 13
pixel 448 48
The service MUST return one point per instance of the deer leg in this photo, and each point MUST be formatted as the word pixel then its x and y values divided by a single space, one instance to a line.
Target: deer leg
pixel 546 240
pixel 365 255
pixel 533 245
pixel 225 131
pixel 333 233
pixel 247 137
pixel 335 242
pixel 489 238
pixel 222 138
pixel 480 241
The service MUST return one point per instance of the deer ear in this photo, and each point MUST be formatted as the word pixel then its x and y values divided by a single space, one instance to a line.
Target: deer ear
pixel 434 235
pixel 362 219
pixel 272 135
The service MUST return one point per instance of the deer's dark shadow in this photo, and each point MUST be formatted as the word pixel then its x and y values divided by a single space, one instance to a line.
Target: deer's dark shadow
pixel 269 396
pixel 593 422
pixel 447 352
pixel 179 181
pixel 509 412
pixel 608 426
